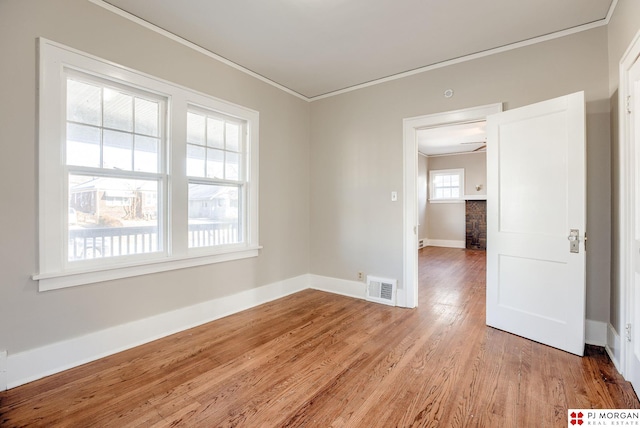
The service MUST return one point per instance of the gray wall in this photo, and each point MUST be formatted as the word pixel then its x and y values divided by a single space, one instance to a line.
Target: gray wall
pixel 29 319
pixel 447 220
pixel 423 184
pixel 356 151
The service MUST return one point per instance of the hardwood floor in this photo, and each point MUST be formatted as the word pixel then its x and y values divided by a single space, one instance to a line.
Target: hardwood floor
pixel 315 359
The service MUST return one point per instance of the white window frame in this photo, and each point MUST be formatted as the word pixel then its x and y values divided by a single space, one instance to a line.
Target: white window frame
pixel 446 172
pixel 241 182
pixel 54 270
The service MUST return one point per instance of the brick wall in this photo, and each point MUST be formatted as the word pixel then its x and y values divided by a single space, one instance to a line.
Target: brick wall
pixel 476 225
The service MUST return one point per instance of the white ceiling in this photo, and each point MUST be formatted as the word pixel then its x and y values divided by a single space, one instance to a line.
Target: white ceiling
pixel 459 138
pixel 316 47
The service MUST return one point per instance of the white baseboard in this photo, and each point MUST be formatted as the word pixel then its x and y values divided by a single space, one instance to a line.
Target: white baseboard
pixel 603 334
pixel 614 347
pixel 37 363
pixel 344 287
pixel 595 333
pixel 3 370
pixel 23 367
pixel 446 243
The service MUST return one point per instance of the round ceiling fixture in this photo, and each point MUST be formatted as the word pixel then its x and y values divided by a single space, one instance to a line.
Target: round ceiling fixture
pixel 448 93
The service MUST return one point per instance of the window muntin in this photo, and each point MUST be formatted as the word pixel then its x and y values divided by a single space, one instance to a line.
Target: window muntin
pixel 215 147
pixel 446 185
pixel 112 128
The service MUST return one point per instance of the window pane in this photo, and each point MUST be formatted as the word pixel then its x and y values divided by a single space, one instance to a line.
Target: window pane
pixel 213 215
pixel 117 150
pixel 215 163
pixel 215 133
pixel 195 128
pixel 446 193
pixel 112 217
pixel 195 160
pixel 233 137
pixel 83 145
pixel 455 180
pixel 84 103
pixel 118 110
pixel 437 180
pixel 146 154
pixel 232 166
pixel 455 192
pixel 147 117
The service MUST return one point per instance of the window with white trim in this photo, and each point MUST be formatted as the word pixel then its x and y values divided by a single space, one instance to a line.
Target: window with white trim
pixel 446 185
pixel 138 175
pixel 215 153
pixel 115 168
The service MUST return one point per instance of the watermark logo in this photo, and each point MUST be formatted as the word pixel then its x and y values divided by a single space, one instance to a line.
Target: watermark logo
pixel 575 418
pixel 603 417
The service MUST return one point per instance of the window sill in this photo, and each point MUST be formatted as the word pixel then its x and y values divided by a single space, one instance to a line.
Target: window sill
pixel 54 281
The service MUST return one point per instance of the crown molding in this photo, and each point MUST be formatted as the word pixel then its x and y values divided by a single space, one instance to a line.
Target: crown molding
pixel 465 58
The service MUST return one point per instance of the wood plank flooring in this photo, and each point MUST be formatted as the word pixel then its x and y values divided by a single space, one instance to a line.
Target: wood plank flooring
pixel 315 359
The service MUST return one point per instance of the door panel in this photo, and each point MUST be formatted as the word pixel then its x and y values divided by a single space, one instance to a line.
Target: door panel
pixel 529 160
pixel 536 194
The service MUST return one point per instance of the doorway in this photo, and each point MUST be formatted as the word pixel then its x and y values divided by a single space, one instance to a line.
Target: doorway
pixel 408 295
pixel 452 176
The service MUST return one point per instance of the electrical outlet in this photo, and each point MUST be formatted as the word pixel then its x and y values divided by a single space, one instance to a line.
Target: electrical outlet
pixel 360 276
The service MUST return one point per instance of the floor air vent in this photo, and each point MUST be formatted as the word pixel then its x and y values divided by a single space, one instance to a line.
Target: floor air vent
pixel 381 290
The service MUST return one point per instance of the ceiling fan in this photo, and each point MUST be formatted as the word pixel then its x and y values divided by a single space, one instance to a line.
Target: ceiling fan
pixel 484 145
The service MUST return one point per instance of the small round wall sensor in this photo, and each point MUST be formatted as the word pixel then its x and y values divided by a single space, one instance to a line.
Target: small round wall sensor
pixel 448 93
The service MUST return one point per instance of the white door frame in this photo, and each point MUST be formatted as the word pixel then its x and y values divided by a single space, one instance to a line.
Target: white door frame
pixel 627 199
pixel 408 295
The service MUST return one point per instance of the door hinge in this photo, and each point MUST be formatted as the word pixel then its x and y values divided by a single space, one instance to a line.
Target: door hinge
pixel 627 332
pixel 629 104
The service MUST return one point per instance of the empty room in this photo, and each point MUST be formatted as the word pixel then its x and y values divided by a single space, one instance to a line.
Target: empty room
pixel 221 213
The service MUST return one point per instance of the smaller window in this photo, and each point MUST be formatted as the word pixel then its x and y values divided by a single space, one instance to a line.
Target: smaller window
pixel 446 185
pixel 218 178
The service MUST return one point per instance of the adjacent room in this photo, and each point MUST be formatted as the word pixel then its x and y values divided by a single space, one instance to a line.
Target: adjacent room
pixel 302 213
pixel 452 177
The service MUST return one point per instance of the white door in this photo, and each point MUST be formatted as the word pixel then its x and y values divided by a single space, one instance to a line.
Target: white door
pixel 634 134
pixel 536 222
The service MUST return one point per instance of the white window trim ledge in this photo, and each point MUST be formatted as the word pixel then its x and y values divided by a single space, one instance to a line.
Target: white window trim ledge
pixel 54 281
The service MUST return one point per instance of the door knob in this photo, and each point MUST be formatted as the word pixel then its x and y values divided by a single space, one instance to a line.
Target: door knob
pixel 574 241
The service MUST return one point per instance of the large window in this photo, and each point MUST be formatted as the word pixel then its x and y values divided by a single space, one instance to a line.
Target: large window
pixel 138 175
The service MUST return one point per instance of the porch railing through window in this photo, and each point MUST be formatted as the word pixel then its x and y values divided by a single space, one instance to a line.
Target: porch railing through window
pixel 98 242
pixel 211 234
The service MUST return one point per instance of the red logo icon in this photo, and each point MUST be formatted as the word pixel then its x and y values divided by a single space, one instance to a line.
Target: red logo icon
pixel 576 418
